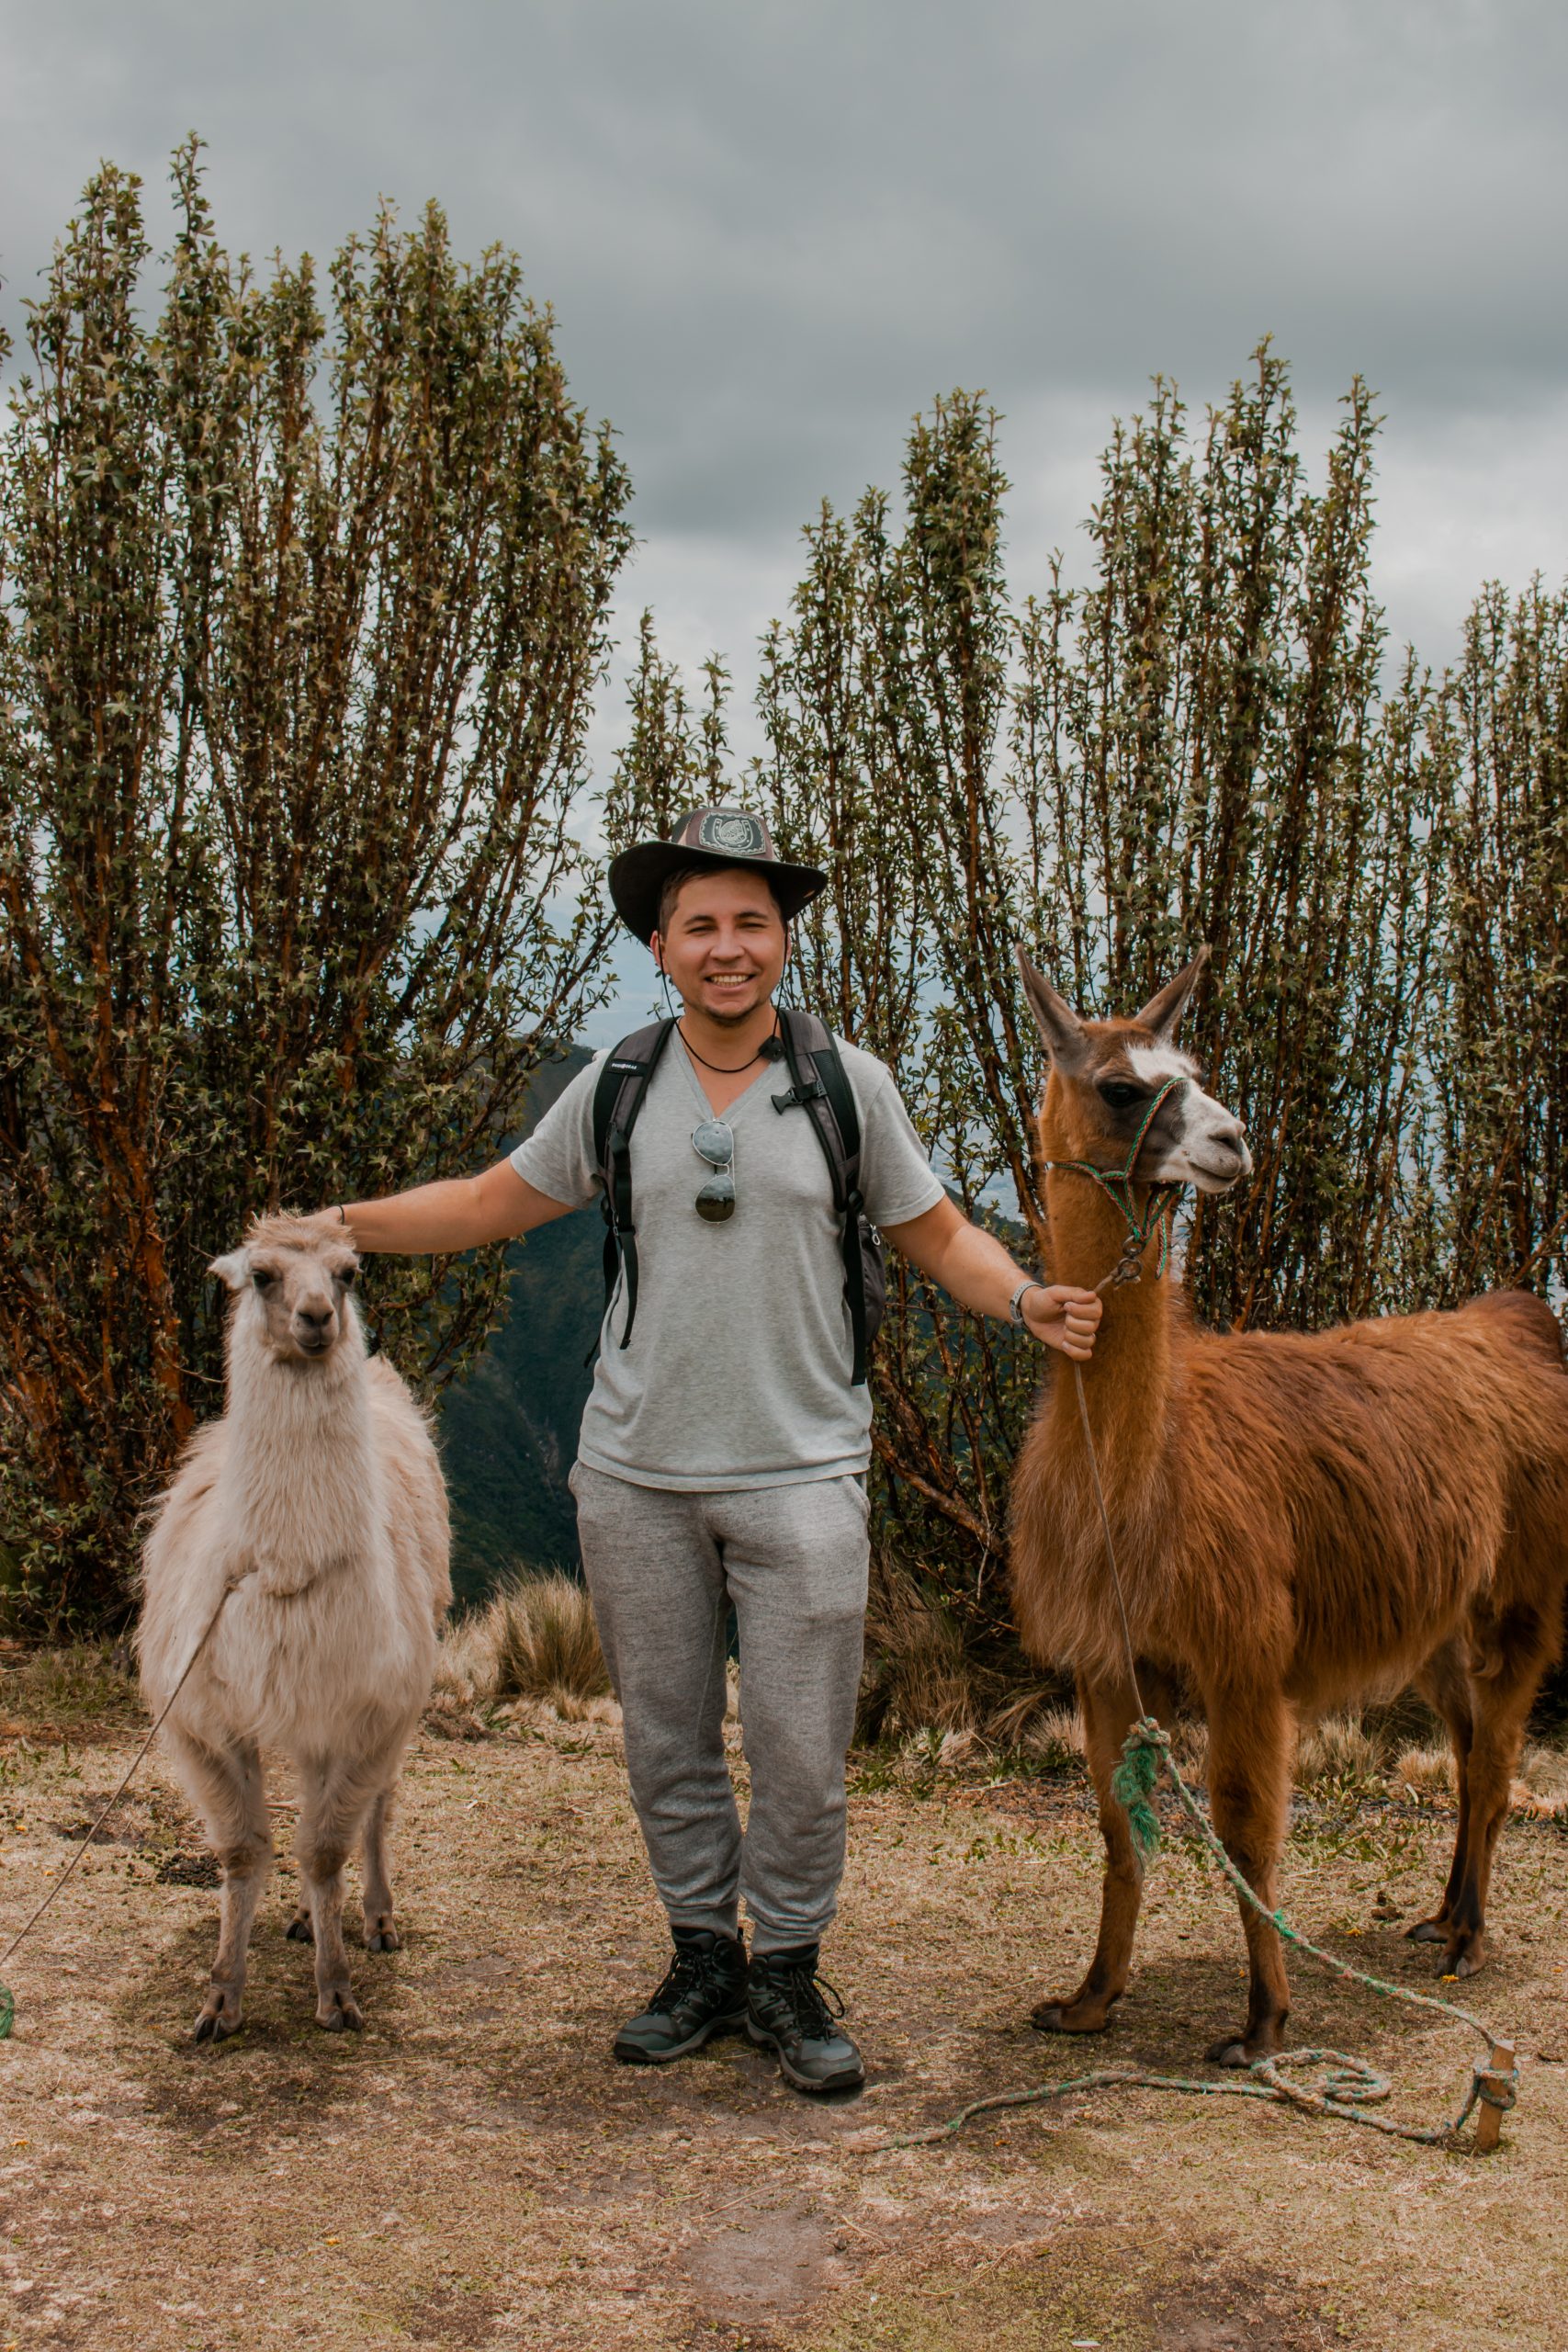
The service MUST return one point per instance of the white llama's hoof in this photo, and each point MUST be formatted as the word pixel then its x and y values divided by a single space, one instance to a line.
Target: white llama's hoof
pixel 340 2013
pixel 382 1936
pixel 300 1931
pixel 219 2016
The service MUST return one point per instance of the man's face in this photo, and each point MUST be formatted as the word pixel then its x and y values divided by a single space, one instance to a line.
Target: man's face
pixel 725 947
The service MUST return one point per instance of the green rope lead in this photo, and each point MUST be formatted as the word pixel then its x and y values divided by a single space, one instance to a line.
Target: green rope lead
pixel 1349 2086
pixel 7 2010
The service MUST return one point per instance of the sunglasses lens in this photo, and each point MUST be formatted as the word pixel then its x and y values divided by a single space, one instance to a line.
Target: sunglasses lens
pixel 714 1143
pixel 716 1202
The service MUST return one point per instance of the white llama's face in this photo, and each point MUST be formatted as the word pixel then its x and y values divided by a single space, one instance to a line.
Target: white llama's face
pixel 292 1297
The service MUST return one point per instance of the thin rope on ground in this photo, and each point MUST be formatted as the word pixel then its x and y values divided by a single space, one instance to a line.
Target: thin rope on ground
pixel 7 1999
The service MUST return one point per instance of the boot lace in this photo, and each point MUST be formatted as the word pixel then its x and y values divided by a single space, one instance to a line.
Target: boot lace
pixel 814 2004
pixel 689 1972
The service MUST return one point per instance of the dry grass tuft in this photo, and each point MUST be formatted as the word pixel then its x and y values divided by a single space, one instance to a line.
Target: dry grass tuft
pixel 536 1639
pixel 1054 1739
pixel 1339 1749
pixel 1426 1771
pixel 1541 1786
pixel 1012 1724
pixel 534 1642
pixel 917 1676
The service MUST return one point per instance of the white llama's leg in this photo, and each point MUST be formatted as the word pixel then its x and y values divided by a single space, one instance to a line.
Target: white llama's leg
pixel 335 1794
pixel 225 1785
pixel 380 1929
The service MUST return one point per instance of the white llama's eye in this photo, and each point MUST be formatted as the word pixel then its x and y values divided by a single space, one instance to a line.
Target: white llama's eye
pixel 346 1278
pixel 262 1281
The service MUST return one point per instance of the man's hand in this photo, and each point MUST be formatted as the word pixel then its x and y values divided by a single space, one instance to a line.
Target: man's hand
pixel 328 1221
pixel 1063 1318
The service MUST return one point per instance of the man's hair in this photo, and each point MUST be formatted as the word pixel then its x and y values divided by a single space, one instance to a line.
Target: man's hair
pixel 677 882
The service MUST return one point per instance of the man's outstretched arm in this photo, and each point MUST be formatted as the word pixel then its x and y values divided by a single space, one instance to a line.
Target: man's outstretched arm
pixel 460 1213
pixel 973 1267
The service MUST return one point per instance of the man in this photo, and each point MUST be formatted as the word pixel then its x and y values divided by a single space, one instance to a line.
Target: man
pixel 725 1445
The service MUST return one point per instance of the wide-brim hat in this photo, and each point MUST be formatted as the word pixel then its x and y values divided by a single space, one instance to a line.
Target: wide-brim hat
pixel 715 837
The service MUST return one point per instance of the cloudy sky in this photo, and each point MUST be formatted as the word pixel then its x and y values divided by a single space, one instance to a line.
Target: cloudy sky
pixel 772 229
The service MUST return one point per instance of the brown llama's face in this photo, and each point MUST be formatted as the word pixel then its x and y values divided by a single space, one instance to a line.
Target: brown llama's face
pixel 292 1294
pixel 1104 1076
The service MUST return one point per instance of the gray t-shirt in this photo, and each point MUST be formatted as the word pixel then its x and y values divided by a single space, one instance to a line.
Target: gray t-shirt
pixel 737 1370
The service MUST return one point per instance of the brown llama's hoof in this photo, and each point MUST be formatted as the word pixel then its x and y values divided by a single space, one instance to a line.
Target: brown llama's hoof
pixel 1427 1931
pixel 1227 2053
pixel 340 2013
pixel 300 1931
pixel 382 1936
pixel 1469 1963
pixel 1070 2017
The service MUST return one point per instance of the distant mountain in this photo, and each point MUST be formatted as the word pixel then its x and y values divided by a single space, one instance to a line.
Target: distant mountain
pixel 509 1431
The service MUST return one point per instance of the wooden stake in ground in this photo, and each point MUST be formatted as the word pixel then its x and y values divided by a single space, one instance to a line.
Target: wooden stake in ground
pixel 1497 2080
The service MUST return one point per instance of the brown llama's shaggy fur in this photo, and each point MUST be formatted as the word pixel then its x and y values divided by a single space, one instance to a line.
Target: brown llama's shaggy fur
pixel 1299 1519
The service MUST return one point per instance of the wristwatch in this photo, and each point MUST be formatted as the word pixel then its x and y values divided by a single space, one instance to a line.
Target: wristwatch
pixel 1015 1304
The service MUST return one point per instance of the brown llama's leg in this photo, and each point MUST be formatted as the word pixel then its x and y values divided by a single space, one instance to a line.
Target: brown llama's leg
pixel 226 1788
pixel 1251 1741
pixel 1503 1702
pixel 1445 1682
pixel 1108 1713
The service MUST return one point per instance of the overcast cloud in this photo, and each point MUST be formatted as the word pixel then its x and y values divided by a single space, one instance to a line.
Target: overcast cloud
pixel 771 233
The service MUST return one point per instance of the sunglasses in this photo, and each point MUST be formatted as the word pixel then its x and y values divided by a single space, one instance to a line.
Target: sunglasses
pixel 714 1142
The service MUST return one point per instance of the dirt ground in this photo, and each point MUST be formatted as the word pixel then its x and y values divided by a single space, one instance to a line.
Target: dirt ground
pixel 474 2171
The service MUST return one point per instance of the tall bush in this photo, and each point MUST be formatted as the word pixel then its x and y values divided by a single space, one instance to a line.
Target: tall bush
pixel 303 604
pixel 1499 1036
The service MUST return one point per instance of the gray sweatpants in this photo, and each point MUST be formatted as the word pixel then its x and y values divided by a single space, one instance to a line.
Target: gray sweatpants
pixel 662 1569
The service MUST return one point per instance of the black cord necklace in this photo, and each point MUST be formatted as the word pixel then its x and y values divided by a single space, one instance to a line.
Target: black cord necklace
pixel 768 1051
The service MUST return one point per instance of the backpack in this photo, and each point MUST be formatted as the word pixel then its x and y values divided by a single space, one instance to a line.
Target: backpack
pixel 818 1085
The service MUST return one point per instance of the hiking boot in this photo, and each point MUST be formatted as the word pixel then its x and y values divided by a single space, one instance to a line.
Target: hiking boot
pixel 704 1993
pixel 787 2010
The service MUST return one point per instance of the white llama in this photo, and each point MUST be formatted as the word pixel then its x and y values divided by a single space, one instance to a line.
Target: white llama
pixel 319 1498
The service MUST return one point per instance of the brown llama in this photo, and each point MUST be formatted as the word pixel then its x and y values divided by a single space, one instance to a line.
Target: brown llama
pixel 1300 1519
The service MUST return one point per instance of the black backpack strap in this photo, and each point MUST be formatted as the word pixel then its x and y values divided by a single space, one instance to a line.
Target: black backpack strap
pixel 821 1087
pixel 617 1099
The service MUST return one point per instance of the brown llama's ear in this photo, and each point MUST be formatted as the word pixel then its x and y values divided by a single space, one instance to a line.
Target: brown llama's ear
pixel 1163 1012
pixel 1063 1033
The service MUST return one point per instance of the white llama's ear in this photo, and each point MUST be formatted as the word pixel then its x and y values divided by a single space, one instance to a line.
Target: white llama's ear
pixel 1163 1012
pixel 235 1270
pixel 1066 1039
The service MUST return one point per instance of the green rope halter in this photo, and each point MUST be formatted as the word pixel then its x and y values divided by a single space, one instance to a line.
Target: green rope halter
pixel 1116 1184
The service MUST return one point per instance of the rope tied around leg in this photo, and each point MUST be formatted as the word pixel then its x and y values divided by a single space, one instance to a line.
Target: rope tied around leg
pixel 1132 1784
